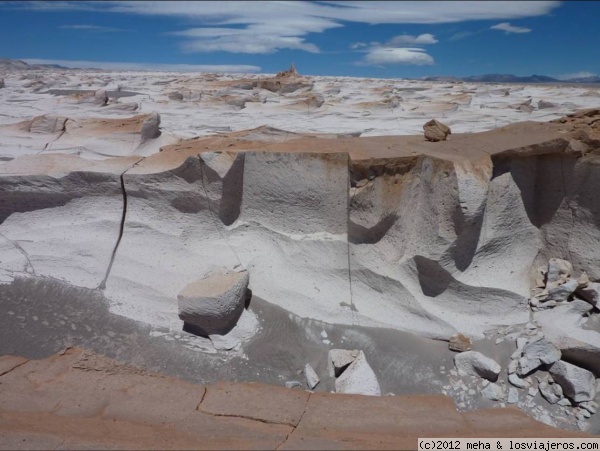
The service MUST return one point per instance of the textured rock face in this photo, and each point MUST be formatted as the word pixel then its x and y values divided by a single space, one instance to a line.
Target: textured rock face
pixel 215 303
pixel 577 383
pixel 476 364
pixel 392 232
pixel 537 353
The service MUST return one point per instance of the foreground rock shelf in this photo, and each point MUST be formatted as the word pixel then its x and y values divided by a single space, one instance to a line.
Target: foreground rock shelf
pixel 76 399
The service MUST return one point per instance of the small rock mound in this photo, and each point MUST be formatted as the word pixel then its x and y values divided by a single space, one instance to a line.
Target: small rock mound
pixel 436 131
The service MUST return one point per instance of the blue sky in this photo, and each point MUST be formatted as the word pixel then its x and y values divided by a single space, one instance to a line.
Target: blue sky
pixel 357 38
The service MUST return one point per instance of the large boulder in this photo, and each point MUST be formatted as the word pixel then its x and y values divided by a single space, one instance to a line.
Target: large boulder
pixel 537 353
pixel 436 131
pixel 578 384
pixel 214 304
pixel 358 379
pixel 476 364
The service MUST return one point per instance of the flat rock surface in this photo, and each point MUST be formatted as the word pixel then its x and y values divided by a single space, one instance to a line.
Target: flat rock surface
pixel 76 399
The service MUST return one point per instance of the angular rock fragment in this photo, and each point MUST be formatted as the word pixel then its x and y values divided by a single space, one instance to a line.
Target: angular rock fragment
pixel 476 364
pixel 517 381
pixel 214 304
pixel 513 396
pixel 339 359
pixel 150 127
pixel 591 293
pixel 460 343
pixel 312 379
pixel 358 379
pixel 493 392
pixel 293 384
pixel 578 384
pixel 436 131
pixel 537 353
pixel 551 393
pixel 563 292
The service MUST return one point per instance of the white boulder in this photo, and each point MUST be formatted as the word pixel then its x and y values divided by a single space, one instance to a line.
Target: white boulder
pixel 493 392
pixel 578 384
pixel 214 304
pixel 358 379
pixel 476 364
pixel 339 359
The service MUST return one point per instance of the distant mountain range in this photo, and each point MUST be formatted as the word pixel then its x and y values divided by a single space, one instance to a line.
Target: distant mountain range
pixel 8 65
pixel 509 78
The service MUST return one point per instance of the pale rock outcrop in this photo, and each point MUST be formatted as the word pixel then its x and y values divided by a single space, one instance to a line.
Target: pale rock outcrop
pixel 460 343
pixel 536 353
pixel 358 379
pixel 476 364
pixel 436 131
pixel 214 304
pixel 339 359
pixel 312 379
pixel 577 383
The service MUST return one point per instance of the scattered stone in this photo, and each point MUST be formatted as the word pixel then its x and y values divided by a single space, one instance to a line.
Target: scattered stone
pixel 530 326
pixel 476 364
pixel 293 384
pixel 536 353
pixel 564 402
pixel 312 379
pixel 590 406
pixel 513 396
pixel 512 366
pixel 582 425
pixel 214 304
pixel 558 272
pixel 521 341
pixel 551 393
pixel 591 293
pixel 583 280
pixel 460 343
pixel 517 381
pixel 577 383
pixel 563 292
pixel 358 379
pixel 493 392
pixel 323 334
pixel 533 391
pixel 436 131
pixel 339 359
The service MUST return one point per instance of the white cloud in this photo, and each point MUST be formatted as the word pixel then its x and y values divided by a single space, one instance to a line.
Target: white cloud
pixel 582 74
pixel 268 26
pixel 508 28
pixel 406 39
pixel 358 45
pixel 148 66
pixel 90 28
pixel 381 56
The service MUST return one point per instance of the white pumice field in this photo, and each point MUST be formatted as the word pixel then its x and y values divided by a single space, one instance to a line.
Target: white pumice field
pixel 309 232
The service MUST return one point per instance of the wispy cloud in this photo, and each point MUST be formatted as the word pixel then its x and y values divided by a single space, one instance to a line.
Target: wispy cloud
pixel 270 26
pixel 93 28
pixel 508 28
pixel 406 39
pixel 105 65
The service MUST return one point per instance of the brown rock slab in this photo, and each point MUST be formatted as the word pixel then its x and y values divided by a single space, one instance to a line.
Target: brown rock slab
pixel 268 403
pixel 436 131
pixel 10 362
